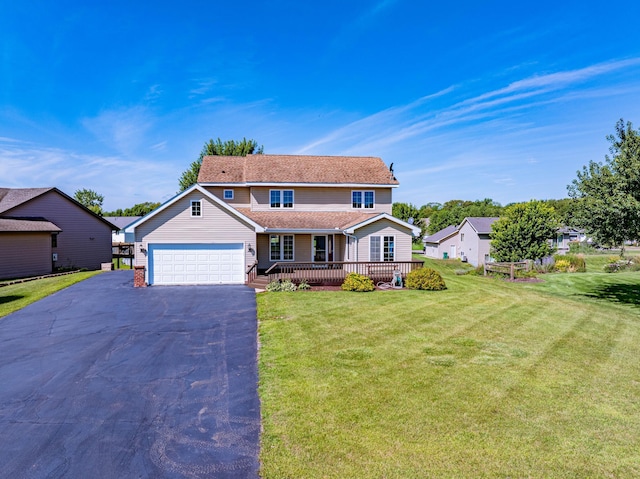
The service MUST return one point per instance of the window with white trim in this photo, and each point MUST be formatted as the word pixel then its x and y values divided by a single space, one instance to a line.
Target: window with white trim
pixel 228 194
pixel 363 199
pixel 382 248
pixel 281 247
pixel 281 198
pixel 196 208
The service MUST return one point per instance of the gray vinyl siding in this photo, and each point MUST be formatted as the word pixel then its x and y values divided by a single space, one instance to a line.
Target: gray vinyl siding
pixel 321 199
pixel 437 250
pixel 241 195
pixel 176 225
pixel 25 254
pixel 474 246
pixel 385 227
pixel 85 240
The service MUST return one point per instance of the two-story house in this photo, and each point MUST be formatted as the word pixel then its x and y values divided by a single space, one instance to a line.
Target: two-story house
pixel 266 209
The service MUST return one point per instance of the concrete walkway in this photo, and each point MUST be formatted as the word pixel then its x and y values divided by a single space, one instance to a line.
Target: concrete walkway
pixel 102 380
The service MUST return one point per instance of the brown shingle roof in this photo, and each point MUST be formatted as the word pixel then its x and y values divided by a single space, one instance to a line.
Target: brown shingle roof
pixel 303 220
pixel 22 225
pixel 295 169
pixel 12 197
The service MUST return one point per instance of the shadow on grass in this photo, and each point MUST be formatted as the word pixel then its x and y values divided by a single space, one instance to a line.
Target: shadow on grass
pixel 618 293
pixel 8 299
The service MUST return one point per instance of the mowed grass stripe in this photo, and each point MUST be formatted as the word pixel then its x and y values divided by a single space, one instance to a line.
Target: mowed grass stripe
pixel 486 379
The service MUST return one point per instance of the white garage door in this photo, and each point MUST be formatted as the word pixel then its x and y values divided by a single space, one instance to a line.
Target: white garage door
pixel 196 263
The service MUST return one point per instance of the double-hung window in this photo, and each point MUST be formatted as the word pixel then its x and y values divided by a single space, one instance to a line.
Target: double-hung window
pixel 281 198
pixel 362 199
pixel 281 247
pixel 382 248
pixel 196 208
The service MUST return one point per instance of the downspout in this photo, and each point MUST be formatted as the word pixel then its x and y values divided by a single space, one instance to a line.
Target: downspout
pixel 356 242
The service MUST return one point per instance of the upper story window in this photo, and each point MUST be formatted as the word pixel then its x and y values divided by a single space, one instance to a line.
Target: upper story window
pixel 228 194
pixel 196 208
pixel 281 198
pixel 362 199
pixel 461 237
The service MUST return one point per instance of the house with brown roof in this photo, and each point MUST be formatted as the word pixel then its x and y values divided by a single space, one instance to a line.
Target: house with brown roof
pixel 43 229
pixel 265 211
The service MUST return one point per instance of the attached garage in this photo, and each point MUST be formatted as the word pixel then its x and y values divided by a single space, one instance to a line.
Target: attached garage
pixel 196 263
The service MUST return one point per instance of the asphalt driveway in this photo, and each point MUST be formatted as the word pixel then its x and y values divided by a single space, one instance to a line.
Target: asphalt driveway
pixel 106 380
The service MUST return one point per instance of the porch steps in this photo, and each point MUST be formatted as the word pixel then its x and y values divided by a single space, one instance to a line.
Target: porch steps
pixel 260 282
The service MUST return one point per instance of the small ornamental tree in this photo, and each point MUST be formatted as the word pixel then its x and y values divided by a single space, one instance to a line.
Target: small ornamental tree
pixel 523 232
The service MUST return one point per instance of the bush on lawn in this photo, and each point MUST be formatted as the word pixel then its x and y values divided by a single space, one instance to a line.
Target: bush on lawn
pixel 358 282
pixel 570 263
pixel 426 279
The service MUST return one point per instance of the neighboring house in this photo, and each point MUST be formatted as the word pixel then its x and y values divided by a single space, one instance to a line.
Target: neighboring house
pixel 565 236
pixel 25 247
pixel 468 241
pixel 267 209
pixel 443 244
pixel 475 243
pixel 118 236
pixel 44 229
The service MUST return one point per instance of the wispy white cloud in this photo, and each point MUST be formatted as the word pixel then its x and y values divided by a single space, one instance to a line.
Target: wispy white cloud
pixel 122 130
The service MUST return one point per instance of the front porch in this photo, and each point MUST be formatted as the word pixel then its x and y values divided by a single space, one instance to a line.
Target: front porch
pixel 334 272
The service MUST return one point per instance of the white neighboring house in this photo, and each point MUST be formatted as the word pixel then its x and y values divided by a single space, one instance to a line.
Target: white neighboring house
pixel 121 222
pixel 468 241
pixel 567 235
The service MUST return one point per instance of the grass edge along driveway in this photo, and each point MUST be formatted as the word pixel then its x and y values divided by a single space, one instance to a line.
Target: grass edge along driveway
pixel 486 379
pixel 17 296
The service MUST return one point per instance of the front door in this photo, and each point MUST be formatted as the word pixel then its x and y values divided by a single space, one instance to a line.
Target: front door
pixel 453 251
pixel 319 248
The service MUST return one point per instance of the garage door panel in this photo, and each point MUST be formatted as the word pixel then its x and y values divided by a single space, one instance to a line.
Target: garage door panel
pixel 196 263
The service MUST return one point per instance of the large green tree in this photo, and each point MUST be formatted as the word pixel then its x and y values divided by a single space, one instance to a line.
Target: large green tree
pixel 90 199
pixel 523 232
pixel 408 212
pixel 217 148
pixel 608 194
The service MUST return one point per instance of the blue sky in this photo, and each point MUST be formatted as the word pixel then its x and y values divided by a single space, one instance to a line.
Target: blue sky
pixel 469 100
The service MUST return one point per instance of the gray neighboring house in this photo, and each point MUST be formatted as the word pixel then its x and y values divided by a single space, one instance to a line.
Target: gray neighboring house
pixel 475 243
pixel 468 241
pixel 43 229
pixel 443 244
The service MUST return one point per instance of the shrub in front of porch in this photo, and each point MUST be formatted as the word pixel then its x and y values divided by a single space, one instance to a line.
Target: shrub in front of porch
pixel 426 279
pixel 358 282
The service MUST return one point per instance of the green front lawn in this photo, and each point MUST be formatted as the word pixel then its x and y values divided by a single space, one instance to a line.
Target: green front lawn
pixel 485 379
pixel 17 296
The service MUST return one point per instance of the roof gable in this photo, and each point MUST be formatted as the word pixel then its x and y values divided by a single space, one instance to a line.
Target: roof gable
pixel 11 198
pixel 481 224
pixel 132 226
pixel 302 169
pixel 352 228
